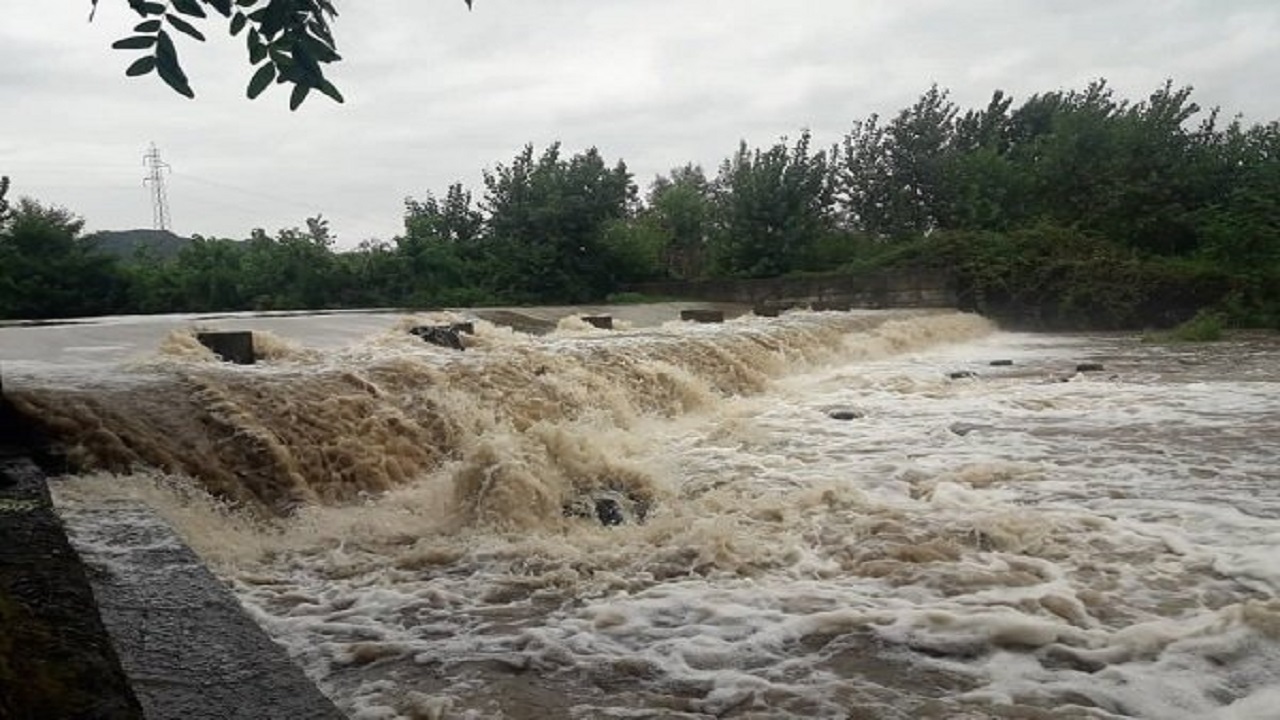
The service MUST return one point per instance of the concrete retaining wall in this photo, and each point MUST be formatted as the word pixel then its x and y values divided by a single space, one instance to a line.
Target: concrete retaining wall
pixel 125 623
pixel 56 659
pixel 899 289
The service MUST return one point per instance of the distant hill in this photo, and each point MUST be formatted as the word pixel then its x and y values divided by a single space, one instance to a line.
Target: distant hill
pixel 124 244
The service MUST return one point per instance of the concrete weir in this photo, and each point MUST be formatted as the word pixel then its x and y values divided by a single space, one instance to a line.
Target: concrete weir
pixel 186 645
pixel 121 620
pixel 56 660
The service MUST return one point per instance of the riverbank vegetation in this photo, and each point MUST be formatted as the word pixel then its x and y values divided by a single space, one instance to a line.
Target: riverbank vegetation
pixel 1073 208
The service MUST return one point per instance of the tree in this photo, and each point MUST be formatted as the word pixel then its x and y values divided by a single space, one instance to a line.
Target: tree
pixel 773 206
pixel 441 248
pixel 4 190
pixel 48 270
pixel 546 220
pixel 680 204
pixel 1242 227
pixel 290 41
pixel 891 178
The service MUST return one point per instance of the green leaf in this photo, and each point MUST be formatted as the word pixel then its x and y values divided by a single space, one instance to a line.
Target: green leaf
pixel 171 73
pixel 222 6
pixel 319 50
pixel 164 47
pixel 147 8
pixel 237 23
pixel 149 26
pixel 188 7
pixel 184 26
pixel 321 30
pixel 261 80
pixel 274 18
pixel 246 3
pixel 141 66
pixel 257 49
pixel 328 88
pixel 307 65
pixel 299 94
pixel 137 42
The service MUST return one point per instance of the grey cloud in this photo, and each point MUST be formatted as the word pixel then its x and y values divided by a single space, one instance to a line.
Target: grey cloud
pixel 435 93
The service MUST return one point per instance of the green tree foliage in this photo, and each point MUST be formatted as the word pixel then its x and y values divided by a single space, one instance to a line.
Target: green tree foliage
pixel 1242 226
pixel 545 219
pixel 290 41
pixel 1075 206
pixel 47 270
pixel 772 205
pixel 441 249
pixel 891 178
pixel 681 207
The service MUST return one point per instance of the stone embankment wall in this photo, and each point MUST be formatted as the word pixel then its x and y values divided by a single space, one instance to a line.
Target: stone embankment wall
pixel 897 289
pixel 56 659
pixel 129 626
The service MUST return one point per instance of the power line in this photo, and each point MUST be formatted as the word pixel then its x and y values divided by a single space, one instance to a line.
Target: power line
pixel 155 178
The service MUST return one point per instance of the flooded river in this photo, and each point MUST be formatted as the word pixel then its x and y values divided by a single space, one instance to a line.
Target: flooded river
pixel 421 527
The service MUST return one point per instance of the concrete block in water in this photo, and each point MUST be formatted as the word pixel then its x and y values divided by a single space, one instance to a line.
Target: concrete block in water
pixel 234 346
pixel 442 335
pixel 604 322
pixel 702 316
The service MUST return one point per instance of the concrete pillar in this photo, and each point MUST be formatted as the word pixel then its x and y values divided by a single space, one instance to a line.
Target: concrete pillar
pixel 234 346
pixel 702 316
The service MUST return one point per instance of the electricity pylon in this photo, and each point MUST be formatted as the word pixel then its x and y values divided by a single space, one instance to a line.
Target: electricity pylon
pixel 155 178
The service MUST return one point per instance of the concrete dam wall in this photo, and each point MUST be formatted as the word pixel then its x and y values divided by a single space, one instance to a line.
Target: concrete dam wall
pixel 897 289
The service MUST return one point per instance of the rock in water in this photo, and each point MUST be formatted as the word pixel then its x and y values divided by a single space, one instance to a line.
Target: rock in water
pixel 608 507
pixel 1089 367
pixel 962 374
pixel 609 512
pixel 964 428
pixel 844 414
pixel 1001 363
pixel 442 335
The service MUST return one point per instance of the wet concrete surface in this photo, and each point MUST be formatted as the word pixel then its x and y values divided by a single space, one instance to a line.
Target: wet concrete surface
pixel 184 641
pixel 56 659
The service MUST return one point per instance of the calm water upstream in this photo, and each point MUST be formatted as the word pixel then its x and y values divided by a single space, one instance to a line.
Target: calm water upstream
pixel 1027 542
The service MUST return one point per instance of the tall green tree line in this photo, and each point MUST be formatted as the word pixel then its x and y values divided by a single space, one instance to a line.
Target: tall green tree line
pixel 1028 202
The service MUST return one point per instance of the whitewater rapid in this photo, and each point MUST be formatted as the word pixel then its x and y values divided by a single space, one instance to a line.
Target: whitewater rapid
pixel 1021 541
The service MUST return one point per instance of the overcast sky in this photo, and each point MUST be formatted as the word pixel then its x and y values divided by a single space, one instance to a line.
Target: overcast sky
pixel 435 93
